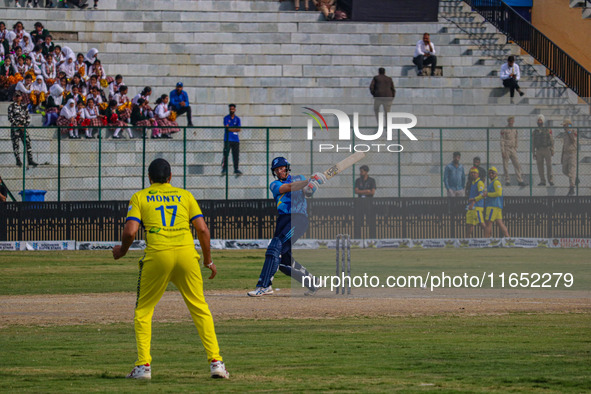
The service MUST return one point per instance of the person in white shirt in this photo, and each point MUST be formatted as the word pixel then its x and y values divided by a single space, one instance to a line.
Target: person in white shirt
pixel 425 55
pixel 510 76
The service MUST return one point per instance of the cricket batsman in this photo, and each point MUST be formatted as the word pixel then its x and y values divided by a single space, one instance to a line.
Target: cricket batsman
pixel 289 193
pixel 475 214
pixel 494 204
pixel 166 213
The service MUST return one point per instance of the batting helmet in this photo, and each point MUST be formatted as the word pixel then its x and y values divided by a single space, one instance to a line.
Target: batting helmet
pixel 279 162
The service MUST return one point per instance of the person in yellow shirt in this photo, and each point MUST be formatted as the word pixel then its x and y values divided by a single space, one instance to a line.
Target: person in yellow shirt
pixel 475 213
pixel 166 213
pixel 494 204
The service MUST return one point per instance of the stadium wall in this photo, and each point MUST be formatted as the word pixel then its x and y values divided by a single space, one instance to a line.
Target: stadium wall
pixel 377 218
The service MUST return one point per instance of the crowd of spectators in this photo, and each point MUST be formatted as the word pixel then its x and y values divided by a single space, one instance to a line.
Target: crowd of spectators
pixel 74 91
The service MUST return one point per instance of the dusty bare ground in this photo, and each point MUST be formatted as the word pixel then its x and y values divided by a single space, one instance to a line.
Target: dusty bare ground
pixel 118 307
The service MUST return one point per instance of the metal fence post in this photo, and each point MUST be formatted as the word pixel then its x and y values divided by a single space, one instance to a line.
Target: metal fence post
pixel 399 169
pixel 577 173
pixel 184 157
pixel 144 160
pixel 440 159
pixel 531 178
pixel 59 165
pixel 100 161
pixel 487 148
pixel 24 160
pixel 268 166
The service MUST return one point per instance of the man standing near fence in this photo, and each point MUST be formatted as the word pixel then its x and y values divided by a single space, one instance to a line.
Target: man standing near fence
pixel 231 140
pixel 509 143
pixel 569 155
pixel 454 177
pixel 543 150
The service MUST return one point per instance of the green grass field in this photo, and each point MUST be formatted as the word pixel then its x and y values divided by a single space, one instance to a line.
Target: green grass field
pixel 508 352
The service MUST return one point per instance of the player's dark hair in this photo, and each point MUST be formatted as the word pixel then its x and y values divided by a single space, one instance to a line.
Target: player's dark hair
pixel 364 168
pixel 381 70
pixel 511 58
pixel 457 154
pixel 159 171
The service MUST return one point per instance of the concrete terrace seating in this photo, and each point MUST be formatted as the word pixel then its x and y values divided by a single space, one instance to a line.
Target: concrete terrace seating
pixel 263 56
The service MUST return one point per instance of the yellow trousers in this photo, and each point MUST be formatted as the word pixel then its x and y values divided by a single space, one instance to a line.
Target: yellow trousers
pixel 181 267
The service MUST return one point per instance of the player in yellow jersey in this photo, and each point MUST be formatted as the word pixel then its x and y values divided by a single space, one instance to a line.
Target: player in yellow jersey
pixel 166 213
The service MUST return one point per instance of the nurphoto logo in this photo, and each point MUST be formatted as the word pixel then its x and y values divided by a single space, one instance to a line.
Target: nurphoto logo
pixel 345 133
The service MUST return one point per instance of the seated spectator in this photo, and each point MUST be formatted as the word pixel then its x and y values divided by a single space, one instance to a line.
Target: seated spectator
pixel 67 118
pixel 98 99
pixel 17 33
pixel 20 68
pixel 165 118
pixel 93 118
pixel 54 105
pixel 97 70
pixel 179 102
pixel 68 67
pixel 37 56
pixel 80 66
pixel 95 7
pixel 31 68
pixel 425 55
pixel 114 86
pixel 38 35
pixel 140 117
pixel 39 92
pixel 75 94
pixel 58 56
pixel 326 7
pixel 24 87
pixel 49 70
pixel 18 52
pixel 144 94
pixel 510 76
pixel 123 104
pixel 4 45
pixel 91 57
pixel 365 186
pixel 27 45
pixel 77 81
pixel 48 46
pixel 7 74
pixel 93 83
pixel 113 120
pixel 296 3
pixel 81 118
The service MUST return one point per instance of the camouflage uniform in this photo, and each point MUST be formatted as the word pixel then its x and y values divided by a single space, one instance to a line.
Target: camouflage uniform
pixel 509 151
pixel 543 151
pixel 19 118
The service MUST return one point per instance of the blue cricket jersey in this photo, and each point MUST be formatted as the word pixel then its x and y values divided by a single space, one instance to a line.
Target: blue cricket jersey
pixel 290 202
pixel 495 194
pixel 231 123
pixel 476 193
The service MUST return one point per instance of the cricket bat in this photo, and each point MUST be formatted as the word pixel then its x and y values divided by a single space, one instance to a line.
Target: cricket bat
pixel 344 164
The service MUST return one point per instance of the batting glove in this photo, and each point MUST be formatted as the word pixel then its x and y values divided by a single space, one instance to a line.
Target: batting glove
pixel 319 177
pixel 311 187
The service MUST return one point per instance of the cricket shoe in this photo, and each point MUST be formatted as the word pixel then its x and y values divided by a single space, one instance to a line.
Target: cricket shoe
pixel 140 372
pixel 218 370
pixel 261 291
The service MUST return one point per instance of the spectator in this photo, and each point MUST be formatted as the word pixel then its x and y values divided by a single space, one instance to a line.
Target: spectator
pixel 37 56
pixel 77 81
pixel 39 34
pixel 365 186
pixel 54 105
pixel 543 150
pixel 425 55
pixel 475 214
pixel 98 99
pixel 19 119
pixel 179 102
pixel 481 174
pixel 20 68
pixel 93 84
pixel 510 76
pixel 454 177
pixel 165 118
pixel 569 155
pixel 93 117
pixel 144 94
pixel 296 3
pixel 27 45
pixel 383 92
pixel 509 144
pixel 39 91
pixel 123 104
pixel 4 45
pixel 7 74
pixel 67 118
pixel 114 86
pixel 326 7
pixel 81 118
pixel 3 191
pixel 95 7
pixel 232 126
pixel 90 58
pixel 48 46
pixel 68 67
pixel 75 94
pixel 24 87
pixel 49 70
pixel 82 4
pixel 114 121
pixel 81 67
pixel 141 116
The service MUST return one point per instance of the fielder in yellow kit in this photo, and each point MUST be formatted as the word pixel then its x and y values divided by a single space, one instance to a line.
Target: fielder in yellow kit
pixel 166 213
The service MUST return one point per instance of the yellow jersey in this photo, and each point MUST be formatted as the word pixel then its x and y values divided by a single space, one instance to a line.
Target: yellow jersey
pixel 166 213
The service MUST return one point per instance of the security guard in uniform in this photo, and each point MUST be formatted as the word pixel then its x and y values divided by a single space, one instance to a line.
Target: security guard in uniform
pixel 569 155
pixel 543 150
pixel 509 143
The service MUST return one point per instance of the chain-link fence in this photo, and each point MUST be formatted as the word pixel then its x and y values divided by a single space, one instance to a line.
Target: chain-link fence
pixel 104 168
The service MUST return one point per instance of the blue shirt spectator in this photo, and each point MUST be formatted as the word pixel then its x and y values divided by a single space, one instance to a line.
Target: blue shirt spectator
pixel 179 102
pixel 231 121
pixel 454 177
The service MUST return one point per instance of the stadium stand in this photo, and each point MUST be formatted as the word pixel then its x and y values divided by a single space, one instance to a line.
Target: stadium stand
pixel 262 54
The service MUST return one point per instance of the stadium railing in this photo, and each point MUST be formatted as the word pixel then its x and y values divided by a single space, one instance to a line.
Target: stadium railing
pixel 106 169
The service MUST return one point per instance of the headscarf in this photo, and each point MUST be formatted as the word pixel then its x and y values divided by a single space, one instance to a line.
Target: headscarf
pixel 90 56
pixel 39 86
pixel 69 68
pixel 68 112
pixel 67 51
pixel 56 92
pixel 541 117
pixel 27 48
